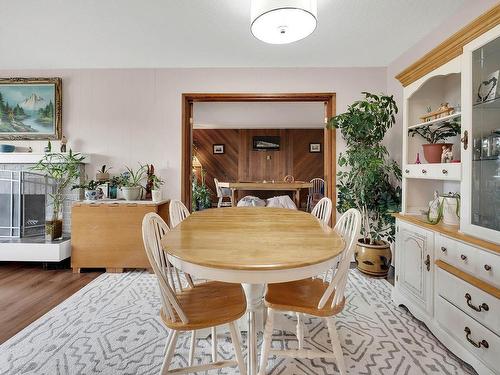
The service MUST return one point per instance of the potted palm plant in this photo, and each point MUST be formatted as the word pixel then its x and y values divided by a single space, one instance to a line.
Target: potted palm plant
pixel 201 193
pixel 130 184
pixel 367 179
pixel 63 168
pixel 435 136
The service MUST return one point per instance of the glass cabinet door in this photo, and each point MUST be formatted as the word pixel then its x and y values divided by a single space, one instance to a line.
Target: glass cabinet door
pixel 484 137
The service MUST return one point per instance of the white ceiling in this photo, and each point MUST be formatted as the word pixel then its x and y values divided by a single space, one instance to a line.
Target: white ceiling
pixel 279 115
pixel 205 33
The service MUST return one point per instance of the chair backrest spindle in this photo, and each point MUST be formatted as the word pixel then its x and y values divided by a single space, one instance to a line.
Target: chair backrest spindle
pixel 178 212
pixel 323 210
pixel 348 227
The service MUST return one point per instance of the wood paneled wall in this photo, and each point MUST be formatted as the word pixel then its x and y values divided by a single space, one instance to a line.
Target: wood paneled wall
pixel 241 163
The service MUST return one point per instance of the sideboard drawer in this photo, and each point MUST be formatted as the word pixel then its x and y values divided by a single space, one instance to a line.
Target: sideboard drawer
pixel 469 333
pixel 470 299
pixel 475 261
pixel 439 171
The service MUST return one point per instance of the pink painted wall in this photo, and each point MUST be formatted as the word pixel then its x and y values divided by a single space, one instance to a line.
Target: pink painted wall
pixel 467 13
pixel 123 117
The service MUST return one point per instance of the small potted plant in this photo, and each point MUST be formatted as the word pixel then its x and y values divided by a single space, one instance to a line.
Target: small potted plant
pixel 130 183
pixel 103 174
pixel 157 182
pixel 90 189
pixel 201 193
pixel 433 135
pixel 63 168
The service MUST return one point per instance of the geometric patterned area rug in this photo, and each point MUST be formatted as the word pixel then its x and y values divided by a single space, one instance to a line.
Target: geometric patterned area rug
pixel 111 326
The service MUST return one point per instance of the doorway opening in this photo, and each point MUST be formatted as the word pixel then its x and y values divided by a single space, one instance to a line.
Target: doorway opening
pixel 328 143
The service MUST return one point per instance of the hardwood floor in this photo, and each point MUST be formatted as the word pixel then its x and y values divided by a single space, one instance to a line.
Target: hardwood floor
pixel 27 291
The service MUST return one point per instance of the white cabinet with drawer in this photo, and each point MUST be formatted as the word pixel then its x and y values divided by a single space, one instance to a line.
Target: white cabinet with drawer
pixel 449 171
pixel 479 305
pixel 473 336
pixel 475 261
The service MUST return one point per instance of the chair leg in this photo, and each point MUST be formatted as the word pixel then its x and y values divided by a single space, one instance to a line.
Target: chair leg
pixel 237 348
pixel 171 343
pixel 219 205
pixel 266 343
pixel 337 349
pixel 192 347
pixel 214 344
pixel 300 331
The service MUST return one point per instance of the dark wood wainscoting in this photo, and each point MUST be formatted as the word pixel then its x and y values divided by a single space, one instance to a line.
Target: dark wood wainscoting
pixel 241 163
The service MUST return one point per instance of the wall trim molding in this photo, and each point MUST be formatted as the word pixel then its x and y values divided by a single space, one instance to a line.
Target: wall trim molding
pixel 451 47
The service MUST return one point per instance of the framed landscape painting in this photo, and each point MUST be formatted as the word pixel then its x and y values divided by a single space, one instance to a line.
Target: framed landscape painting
pixel 30 108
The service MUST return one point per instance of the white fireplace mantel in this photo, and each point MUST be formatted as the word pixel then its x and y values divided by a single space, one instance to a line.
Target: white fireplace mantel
pixel 29 158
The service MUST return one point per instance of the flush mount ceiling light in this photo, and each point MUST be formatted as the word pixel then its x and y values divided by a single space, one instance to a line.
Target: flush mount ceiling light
pixel 283 21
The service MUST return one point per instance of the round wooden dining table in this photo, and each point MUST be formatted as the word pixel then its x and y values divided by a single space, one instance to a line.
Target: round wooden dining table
pixel 252 246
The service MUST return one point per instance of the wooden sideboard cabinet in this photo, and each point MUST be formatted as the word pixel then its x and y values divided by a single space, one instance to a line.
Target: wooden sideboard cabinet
pixel 109 234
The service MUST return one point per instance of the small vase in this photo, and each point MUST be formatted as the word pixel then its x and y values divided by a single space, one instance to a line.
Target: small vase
pixel 90 195
pixel 156 195
pixel 112 192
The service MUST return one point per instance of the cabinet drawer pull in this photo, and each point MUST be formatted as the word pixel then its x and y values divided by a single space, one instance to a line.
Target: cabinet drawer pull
pixel 483 343
pixel 445 171
pixel 483 306
pixel 424 171
pixel 463 257
pixel 407 171
pixel 487 267
pixel 427 262
pixel 443 249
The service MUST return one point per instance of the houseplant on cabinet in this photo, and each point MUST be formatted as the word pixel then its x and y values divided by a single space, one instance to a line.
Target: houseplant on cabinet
pixel 63 168
pixel 434 135
pixel 130 183
pixel 156 182
pixel 90 189
pixel 367 181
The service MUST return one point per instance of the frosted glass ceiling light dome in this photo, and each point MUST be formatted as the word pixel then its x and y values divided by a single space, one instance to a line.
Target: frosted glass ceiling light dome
pixel 283 21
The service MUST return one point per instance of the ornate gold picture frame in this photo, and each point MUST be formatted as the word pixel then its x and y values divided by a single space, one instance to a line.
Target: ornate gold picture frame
pixel 30 108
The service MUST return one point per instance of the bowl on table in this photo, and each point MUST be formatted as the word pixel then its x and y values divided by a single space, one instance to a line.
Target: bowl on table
pixel 7 148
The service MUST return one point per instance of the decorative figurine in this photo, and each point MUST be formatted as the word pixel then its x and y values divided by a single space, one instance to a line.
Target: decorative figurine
pixel 446 155
pixel 418 159
pixel 149 183
pixel 434 214
pixel 64 141
pixel 48 148
pixel 30 149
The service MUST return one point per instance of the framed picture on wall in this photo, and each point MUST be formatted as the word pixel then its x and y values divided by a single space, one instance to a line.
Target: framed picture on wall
pixel 30 108
pixel 315 147
pixel 218 149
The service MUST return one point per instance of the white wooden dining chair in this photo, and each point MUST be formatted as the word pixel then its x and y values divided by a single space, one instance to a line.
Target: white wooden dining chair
pixel 315 296
pixel 323 210
pixel 221 194
pixel 191 307
pixel 317 189
pixel 178 212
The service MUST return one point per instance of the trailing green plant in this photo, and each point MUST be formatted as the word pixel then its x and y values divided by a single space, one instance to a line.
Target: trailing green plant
pixel 133 178
pixel 87 184
pixel 440 133
pixel 63 168
pixel 200 192
pixel 156 181
pixel 368 179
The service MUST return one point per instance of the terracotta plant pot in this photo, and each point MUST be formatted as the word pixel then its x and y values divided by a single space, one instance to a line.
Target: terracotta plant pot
pixel 374 260
pixel 433 151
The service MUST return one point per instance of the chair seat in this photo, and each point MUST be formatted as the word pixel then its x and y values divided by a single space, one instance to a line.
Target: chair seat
pixel 208 304
pixel 301 296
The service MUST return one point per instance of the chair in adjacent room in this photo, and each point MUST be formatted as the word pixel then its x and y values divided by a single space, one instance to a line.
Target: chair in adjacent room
pixel 178 212
pixel 187 306
pixel 317 297
pixel 323 210
pixel 316 192
pixel 221 194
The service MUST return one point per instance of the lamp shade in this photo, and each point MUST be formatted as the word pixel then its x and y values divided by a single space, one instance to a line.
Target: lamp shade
pixel 283 21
